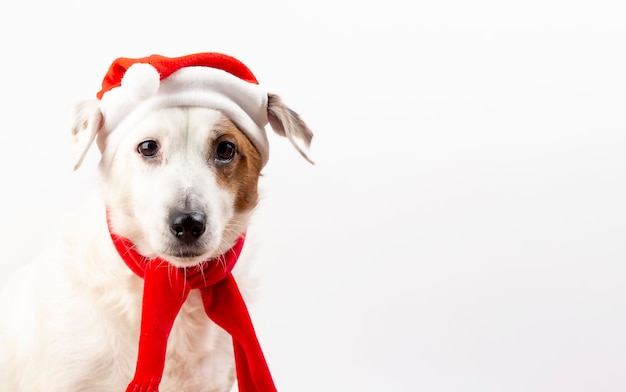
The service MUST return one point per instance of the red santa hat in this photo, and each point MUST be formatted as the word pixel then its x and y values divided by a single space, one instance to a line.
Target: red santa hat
pixel 134 87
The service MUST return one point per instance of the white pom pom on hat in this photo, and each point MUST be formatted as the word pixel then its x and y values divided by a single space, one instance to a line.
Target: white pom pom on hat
pixel 132 88
pixel 141 81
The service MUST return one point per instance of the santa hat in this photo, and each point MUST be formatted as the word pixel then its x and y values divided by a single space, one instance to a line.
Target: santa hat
pixel 132 88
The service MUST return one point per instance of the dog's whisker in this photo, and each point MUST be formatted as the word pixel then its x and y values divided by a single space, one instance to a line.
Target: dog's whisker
pixel 202 266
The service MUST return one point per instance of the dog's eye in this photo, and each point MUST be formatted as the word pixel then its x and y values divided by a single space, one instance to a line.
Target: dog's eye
pixel 148 148
pixel 225 151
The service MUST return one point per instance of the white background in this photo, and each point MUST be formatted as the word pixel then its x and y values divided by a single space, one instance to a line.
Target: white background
pixel 464 226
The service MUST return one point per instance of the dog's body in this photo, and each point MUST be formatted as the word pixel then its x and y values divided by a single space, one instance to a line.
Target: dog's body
pixel 71 320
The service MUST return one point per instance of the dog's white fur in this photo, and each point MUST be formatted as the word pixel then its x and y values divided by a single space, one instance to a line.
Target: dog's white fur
pixel 70 320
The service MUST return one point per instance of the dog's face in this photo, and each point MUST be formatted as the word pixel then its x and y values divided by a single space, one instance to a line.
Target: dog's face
pixel 182 182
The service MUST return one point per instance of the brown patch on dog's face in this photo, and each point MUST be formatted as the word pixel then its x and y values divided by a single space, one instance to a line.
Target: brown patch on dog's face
pixel 237 164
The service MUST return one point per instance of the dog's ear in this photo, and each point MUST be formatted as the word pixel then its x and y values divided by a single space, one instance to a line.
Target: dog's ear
pixel 86 120
pixel 288 123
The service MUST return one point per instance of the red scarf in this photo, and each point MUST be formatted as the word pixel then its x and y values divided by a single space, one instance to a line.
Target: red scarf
pixel 165 289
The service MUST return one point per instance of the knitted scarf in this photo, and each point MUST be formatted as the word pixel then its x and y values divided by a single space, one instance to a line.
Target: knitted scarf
pixel 165 290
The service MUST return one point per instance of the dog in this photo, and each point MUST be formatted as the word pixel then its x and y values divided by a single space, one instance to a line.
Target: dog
pixel 181 157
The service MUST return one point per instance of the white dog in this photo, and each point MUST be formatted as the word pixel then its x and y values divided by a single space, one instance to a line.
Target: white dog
pixel 182 146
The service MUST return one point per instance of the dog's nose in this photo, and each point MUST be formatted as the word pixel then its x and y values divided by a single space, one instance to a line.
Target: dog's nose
pixel 187 226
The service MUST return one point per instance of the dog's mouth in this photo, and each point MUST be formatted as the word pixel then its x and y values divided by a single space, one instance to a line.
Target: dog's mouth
pixel 186 256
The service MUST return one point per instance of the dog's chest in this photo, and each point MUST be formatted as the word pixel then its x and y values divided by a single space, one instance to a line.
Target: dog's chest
pixel 199 353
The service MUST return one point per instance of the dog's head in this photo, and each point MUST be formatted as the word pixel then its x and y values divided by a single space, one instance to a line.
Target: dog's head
pixel 181 164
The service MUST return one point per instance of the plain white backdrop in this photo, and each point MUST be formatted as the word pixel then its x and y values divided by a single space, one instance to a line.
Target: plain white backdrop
pixel 464 227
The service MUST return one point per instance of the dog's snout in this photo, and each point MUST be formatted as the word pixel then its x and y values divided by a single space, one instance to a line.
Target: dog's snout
pixel 187 226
